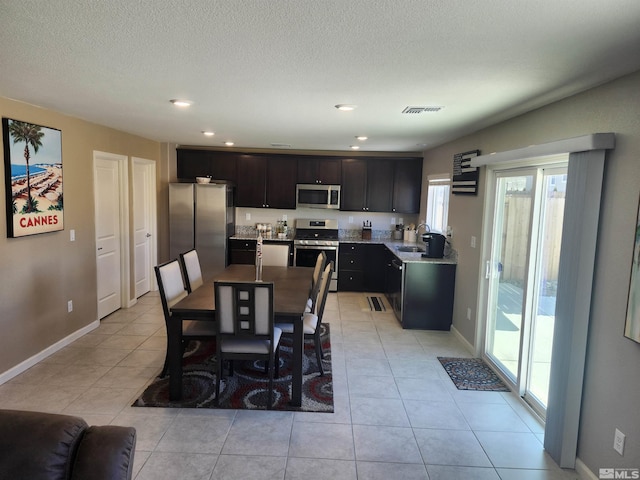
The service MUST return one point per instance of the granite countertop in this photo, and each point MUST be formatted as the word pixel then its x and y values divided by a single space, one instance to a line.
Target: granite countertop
pixel 254 237
pixel 407 257
pixel 393 245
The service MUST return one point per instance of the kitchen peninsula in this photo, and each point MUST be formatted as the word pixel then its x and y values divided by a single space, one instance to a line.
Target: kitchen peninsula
pixel 420 290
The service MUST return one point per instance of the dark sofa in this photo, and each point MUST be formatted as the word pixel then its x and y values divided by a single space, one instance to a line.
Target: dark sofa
pixel 45 446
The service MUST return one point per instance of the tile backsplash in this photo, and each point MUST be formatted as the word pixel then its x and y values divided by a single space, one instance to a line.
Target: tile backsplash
pixel 349 223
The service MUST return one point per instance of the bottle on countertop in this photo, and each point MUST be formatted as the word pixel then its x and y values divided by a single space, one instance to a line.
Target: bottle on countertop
pixel 259 257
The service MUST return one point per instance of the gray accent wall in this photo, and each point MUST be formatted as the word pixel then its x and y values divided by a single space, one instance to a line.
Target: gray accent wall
pixel 611 394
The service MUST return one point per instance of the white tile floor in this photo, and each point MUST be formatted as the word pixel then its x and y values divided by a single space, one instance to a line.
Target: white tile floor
pixel 397 413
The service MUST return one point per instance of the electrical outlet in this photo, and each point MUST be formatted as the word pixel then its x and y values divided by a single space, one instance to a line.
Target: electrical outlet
pixel 618 442
pixel 393 220
pixel 350 219
pixel 284 218
pixel 247 216
pixel 468 314
pixel 473 242
pixel 70 306
pixel 72 235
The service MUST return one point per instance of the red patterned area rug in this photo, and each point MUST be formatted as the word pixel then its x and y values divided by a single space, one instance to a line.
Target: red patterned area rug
pixel 472 374
pixel 247 388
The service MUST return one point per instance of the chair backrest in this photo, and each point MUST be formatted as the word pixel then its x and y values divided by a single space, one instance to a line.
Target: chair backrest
pixel 315 280
pixel 325 284
pixel 191 267
pixel 170 284
pixel 321 262
pixel 275 255
pixel 244 309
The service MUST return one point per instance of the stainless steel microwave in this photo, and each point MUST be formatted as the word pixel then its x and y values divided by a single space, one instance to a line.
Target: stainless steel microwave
pixel 318 196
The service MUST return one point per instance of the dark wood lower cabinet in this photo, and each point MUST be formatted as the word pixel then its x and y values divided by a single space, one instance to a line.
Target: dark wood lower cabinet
pixel 361 267
pixel 427 295
pixel 244 251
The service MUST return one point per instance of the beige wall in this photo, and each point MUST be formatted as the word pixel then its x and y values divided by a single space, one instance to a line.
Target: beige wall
pixel 40 273
pixel 612 385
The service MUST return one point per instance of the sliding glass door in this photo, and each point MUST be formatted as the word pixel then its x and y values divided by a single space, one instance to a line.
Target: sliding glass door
pixel 522 273
pixel 508 269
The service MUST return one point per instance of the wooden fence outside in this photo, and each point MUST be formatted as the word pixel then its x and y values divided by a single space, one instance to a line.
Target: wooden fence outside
pixel 516 223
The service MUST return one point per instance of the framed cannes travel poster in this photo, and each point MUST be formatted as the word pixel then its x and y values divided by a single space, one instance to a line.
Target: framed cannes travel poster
pixel 33 177
pixel 632 325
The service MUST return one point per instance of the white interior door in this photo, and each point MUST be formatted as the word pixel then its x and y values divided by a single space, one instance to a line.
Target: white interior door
pixel 111 232
pixel 144 225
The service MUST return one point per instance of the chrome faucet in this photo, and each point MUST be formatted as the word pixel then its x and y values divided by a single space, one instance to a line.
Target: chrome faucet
pixel 427 228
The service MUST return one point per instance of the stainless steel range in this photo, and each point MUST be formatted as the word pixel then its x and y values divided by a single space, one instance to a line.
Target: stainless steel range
pixel 313 236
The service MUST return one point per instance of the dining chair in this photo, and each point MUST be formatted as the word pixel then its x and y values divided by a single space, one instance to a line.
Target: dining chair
pixel 321 262
pixel 191 268
pixel 311 321
pixel 275 255
pixel 245 329
pixel 172 290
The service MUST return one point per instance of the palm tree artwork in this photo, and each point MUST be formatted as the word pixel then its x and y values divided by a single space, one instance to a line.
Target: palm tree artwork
pixel 31 135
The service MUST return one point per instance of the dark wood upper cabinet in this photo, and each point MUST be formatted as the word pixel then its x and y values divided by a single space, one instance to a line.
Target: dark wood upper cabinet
pixel 282 174
pixel 354 184
pixel 325 170
pixel 192 163
pixel 367 184
pixel 252 181
pixel 266 181
pixel 224 166
pixel 379 184
pixel 407 184
pixel 375 184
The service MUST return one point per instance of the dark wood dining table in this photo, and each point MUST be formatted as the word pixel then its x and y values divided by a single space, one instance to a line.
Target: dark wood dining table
pixel 290 292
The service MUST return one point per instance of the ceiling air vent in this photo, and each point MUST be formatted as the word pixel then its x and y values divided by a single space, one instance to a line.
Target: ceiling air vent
pixel 421 109
pixel 281 145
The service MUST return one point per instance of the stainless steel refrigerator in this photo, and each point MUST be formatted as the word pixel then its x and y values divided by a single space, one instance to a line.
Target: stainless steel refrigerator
pixel 201 216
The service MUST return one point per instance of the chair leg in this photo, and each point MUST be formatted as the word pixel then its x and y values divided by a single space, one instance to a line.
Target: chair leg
pixel 270 395
pixel 218 375
pixel 277 360
pixel 319 353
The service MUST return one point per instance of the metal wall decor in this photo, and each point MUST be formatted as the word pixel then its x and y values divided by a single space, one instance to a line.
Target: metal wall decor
pixel 465 177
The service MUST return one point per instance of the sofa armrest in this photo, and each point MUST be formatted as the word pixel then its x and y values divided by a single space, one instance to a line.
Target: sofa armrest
pixel 37 445
pixel 105 452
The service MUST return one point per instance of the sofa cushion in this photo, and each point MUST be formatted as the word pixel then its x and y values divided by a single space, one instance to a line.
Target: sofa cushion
pixel 38 446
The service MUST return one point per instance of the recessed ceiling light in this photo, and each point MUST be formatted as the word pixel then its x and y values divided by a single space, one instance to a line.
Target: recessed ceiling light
pixel 362 138
pixel 208 133
pixel 181 103
pixel 355 147
pixel 345 108
pixel 229 144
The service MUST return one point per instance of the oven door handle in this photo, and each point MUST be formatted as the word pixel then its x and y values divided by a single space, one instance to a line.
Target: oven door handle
pixel 314 247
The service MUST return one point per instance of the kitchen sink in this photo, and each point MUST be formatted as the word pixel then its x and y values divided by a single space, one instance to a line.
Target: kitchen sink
pixel 412 249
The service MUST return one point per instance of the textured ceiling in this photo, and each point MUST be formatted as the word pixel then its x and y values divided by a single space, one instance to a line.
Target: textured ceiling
pixel 262 72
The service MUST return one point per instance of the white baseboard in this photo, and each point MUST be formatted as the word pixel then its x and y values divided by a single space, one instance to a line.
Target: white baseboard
pixel 464 341
pixel 583 471
pixel 38 357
